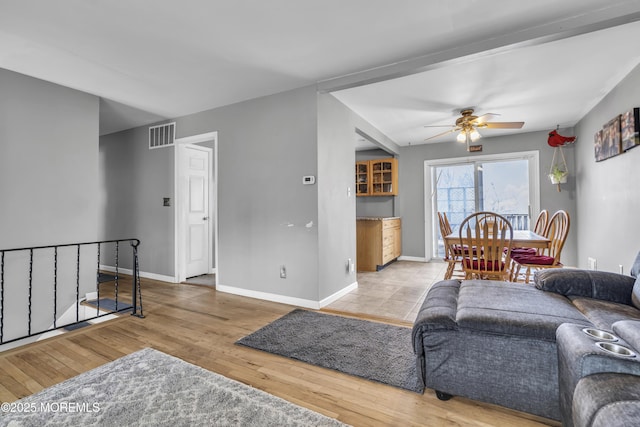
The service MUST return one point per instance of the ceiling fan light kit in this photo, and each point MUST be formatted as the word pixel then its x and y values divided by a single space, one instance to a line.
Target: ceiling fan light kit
pixel 468 126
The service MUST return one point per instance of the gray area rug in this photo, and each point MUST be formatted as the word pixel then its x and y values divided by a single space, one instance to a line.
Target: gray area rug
pixel 371 350
pixel 150 388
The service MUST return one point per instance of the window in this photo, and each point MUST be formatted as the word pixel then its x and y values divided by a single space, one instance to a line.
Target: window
pixel 506 184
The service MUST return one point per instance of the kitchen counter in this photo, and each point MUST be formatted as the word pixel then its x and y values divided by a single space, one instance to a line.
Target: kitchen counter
pixel 376 218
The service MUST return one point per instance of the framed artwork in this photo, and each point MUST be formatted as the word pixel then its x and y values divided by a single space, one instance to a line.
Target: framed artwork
pixel 597 140
pixel 609 144
pixel 630 129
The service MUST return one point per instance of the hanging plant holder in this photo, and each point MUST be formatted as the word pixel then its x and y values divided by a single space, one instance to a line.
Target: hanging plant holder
pixel 559 171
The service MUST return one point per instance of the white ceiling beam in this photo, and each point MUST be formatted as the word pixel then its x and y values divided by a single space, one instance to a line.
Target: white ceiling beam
pixel 578 25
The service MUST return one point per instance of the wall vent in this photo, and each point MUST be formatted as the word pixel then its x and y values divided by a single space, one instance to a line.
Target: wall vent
pixel 162 135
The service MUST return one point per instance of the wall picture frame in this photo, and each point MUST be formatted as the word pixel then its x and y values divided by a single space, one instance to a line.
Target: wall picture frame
pixel 609 143
pixel 597 143
pixel 630 129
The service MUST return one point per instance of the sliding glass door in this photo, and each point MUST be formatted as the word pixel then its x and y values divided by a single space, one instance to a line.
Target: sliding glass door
pixel 460 187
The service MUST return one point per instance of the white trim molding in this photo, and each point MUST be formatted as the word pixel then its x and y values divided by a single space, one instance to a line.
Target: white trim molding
pixel 412 258
pixel 213 202
pixel 315 305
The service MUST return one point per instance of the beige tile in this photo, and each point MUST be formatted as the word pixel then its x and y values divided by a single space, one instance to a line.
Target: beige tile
pixel 397 291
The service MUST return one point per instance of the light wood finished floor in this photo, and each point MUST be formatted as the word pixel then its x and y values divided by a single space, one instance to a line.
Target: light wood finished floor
pixel 200 326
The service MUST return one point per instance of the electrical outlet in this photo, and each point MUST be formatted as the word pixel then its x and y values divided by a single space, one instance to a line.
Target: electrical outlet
pixel 621 269
pixel 283 272
pixel 348 265
pixel 592 264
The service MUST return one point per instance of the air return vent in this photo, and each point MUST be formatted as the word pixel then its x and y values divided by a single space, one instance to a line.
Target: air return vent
pixel 162 135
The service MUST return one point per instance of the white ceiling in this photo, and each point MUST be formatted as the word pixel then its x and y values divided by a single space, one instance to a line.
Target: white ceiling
pixel 155 59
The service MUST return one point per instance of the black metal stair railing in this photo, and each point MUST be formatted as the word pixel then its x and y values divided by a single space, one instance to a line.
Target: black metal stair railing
pixel 65 288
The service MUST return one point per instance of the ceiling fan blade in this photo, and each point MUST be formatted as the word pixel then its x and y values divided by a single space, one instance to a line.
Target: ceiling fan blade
pixel 438 126
pixel 441 134
pixel 485 117
pixel 503 125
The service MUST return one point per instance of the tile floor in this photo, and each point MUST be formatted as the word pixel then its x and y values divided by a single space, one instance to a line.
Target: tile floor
pixel 396 292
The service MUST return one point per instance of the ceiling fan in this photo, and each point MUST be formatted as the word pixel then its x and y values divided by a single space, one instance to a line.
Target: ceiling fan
pixel 468 126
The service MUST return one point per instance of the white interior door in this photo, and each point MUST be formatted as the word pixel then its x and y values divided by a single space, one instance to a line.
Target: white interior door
pixel 195 174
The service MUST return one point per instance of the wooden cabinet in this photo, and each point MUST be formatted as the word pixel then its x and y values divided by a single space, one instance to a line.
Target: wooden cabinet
pixel 379 241
pixel 377 177
pixel 362 178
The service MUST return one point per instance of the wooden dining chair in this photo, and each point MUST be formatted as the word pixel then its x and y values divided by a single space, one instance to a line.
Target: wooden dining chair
pixel 452 252
pixel 540 228
pixel 486 235
pixel 557 231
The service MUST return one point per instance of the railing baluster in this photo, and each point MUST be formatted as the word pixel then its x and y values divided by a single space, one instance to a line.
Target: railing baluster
pixel 135 287
pixel 117 274
pixel 30 287
pixel 98 282
pixel 78 285
pixel 2 298
pixel 55 287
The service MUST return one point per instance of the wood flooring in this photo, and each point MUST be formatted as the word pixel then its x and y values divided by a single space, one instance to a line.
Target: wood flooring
pixel 200 326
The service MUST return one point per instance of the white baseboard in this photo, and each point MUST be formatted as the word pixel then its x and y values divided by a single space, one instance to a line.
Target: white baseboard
pixel 342 292
pixel 152 276
pixel 269 296
pixel 316 305
pixel 412 258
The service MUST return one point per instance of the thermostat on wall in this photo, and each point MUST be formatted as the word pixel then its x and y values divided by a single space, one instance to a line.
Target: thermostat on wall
pixel 309 179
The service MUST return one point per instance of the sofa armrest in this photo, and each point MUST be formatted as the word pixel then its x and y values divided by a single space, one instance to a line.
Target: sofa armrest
pixel 438 311
pixel 600 285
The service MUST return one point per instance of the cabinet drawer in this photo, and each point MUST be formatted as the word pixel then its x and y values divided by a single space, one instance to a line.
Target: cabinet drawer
pixel 387 254
pixel 390 223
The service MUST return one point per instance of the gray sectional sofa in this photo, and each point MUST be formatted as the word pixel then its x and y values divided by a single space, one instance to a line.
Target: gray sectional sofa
pixel 523 346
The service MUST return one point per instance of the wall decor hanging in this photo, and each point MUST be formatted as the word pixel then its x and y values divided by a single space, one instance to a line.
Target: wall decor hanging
pixel 559 171
pixel 630 129
pixel 607 140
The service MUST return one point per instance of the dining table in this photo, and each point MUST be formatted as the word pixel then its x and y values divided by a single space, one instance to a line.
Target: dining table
pixel 521 239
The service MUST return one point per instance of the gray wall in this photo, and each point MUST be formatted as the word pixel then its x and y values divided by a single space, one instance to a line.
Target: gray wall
pixel 133 182
pixel 410 200
pixel 266 216
pixel 336 195
pixel 48 163
pixel 608 193
pixel 49 188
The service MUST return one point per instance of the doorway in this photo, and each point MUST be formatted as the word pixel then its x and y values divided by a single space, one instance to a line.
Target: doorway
pixel 507 184
pixel 195 209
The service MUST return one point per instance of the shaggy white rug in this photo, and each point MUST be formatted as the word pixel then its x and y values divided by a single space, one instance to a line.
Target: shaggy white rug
pixel 151 388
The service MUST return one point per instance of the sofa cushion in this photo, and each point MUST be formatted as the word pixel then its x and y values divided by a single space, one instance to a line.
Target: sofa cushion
pixel 629 330
pixel 635 272
pixel 607 399
pixel 635 268
pixel 635 293
pixel 585 283
pixel 513 309
pixel 603 314
pixel 534 259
